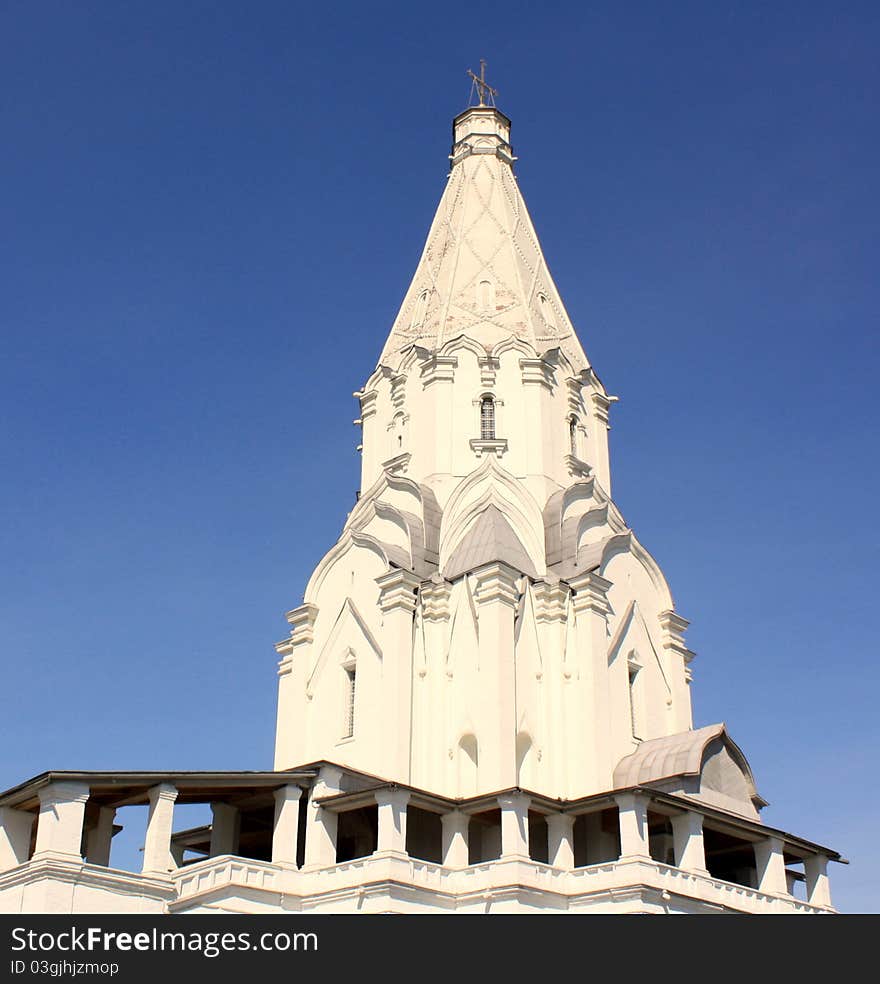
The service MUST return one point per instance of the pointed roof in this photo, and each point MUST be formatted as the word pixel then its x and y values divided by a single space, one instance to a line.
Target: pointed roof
pixel 489 539
pixel 482 272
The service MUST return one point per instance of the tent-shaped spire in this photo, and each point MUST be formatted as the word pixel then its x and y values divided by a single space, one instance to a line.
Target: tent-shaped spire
pixel 482 272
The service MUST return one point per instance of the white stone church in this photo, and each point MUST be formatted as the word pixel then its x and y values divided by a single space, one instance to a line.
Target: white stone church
pixel 484 699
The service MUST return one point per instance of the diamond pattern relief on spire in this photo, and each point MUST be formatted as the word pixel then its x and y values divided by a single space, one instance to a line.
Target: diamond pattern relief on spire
pixel 482 272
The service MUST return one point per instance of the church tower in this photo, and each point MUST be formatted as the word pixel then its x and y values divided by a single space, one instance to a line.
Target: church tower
pixel 487 619
pixel 483 701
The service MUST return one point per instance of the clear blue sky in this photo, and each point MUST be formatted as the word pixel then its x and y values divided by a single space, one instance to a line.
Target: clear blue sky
pixel 203 204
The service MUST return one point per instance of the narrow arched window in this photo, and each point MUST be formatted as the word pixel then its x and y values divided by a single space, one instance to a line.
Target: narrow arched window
pixel 635 715
pixel 546 310
pixel 573 436
pixel 419 310
pixel 487 419
pixel 485 295
pixel 350 689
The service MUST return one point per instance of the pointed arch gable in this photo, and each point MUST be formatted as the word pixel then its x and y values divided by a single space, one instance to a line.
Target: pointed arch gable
pixel 491 484
pixel 347 618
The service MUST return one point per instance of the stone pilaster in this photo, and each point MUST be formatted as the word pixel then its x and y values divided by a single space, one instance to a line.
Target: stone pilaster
pixel 294 652
pixel 496 596
pixel 589 687
pixel 430 683
pixel 397 601
pixel 673 627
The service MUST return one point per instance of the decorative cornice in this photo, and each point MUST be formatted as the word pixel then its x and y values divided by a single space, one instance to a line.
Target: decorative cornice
pixel 537 371
pixel 673 627
pixel 601 406
pixel 489 365
pixel 367 400
pixel 591 594
pixel 397 590
pixel 551 600
pixel 398 390
pixel 435 595
pixel 63 792
pixel 496 582
pixel 439 369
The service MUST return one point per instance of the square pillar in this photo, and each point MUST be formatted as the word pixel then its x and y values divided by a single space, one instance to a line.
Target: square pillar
pixel 225 828
pixel 99 837
pixel 560 840
pixel 157 845
pixel 496 596
pixel 589 744
pixel 633 818
pixel 397 601
pixel 60 824
pixel 321 823
pixel 770 866
pixel 818 888
pixel 514 825
pixel 15 836
pixel 285 831
pixel 687 842
pixel 455 839
pixel 392 820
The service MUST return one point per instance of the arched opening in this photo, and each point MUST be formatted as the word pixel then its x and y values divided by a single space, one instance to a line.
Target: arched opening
pixel 487 418
pixel 634 681
pixel 485 295
pixel 420 308
pixel 546 309
pixel 573 436
pixel 349 692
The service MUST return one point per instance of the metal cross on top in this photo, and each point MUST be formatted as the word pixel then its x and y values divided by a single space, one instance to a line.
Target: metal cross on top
pixel 485 91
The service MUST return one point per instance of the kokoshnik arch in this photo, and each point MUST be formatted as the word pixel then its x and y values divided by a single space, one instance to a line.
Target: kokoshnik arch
pixel 484 698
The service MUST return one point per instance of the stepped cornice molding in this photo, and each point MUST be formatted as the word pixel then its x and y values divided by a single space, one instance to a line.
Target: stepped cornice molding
pixel 435 595
pixel 397 590
pixel 496 582
pixel 590 594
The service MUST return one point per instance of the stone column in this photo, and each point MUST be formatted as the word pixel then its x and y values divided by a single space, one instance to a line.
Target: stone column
pixel 687 842
pixel 397 600
pixel 321 823
pixel 633 818
pixel 496 596
pixel 285 831
pixel 455 839
pixel 225 829
pixel 514 825
pixel 560 840
pixel 15 836
pixel 590 710
pixel 157 846
pixel 770 866
pixel 60 825
pixel 392 820
pixel 100 836
pixel 816 871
